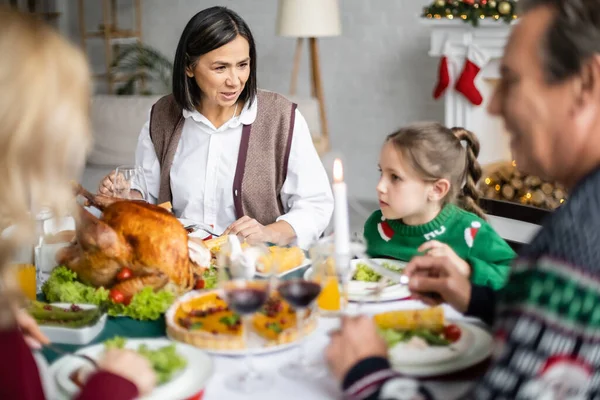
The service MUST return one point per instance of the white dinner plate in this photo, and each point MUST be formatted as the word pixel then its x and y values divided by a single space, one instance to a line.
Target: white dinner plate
pixel 404 354
pixel 363 291
pixel 77 336
pixel 478 349
pixel 305 263
pixel 184 384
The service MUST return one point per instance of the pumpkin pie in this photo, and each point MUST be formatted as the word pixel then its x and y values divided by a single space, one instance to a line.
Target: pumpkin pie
pixel 204 320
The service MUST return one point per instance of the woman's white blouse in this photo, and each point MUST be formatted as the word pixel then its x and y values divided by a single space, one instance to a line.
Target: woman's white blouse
pixel 204 168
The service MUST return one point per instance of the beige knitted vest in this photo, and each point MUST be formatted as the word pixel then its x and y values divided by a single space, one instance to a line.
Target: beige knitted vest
pixel 262 157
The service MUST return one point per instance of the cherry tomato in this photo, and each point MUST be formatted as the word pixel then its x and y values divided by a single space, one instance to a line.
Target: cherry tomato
pixel 124 274
pixel 127 300
pixel 200 284
pixel 452 332
pixel 116 296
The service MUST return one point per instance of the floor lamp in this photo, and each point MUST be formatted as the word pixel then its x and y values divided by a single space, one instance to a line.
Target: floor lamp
pixel 309 19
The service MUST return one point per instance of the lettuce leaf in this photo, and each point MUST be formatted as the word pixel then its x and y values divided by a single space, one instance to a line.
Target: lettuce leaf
pixel 210 276
pixel 117 342
pixel 164 360
pixel 63 287
pixel 146 305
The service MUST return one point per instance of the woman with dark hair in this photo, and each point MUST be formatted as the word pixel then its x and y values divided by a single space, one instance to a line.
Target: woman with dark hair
pixel 225 153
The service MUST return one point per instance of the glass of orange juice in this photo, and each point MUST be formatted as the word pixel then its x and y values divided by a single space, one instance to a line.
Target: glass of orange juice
pixel 335 273
pixel 324 269
pixel 27 279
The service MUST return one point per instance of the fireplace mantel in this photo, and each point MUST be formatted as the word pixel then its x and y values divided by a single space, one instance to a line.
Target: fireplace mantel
pixel 491 37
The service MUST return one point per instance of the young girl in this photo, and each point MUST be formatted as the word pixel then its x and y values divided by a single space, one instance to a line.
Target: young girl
pixel 428 200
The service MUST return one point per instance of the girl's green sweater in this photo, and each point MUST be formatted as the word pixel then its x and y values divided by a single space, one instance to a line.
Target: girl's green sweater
pixel 471 238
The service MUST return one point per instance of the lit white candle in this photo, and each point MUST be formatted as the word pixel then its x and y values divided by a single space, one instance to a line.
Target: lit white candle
pixel 340 214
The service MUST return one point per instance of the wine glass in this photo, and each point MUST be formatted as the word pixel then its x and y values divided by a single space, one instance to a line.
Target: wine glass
pixel 301 293
pixel 130 183
pixel 244 295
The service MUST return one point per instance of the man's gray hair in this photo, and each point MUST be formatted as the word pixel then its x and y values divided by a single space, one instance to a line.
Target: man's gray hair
pixel 572 38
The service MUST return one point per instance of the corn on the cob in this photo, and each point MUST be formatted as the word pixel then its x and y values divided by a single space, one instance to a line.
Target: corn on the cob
pixel 214 244
pixel 405 320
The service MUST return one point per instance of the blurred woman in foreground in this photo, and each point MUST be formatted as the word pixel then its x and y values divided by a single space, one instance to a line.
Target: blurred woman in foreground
pixel 44 136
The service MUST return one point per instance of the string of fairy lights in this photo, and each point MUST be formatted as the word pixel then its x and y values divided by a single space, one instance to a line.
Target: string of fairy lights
pixel 524 189
pixel 472 11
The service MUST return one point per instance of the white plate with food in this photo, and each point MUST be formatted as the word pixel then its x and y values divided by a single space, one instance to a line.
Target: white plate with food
pixel 182 370
pixel 283 274
pixel 284 259
pixel 363 285
pixel 68 323
pixel 421 340
pixel 203 319
pixel 480 348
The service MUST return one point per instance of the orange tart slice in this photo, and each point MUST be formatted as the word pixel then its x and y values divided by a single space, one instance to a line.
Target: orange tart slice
pixel 276 322
pixel 204 320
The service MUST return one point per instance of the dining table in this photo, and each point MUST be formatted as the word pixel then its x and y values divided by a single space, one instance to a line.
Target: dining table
pixel 447 387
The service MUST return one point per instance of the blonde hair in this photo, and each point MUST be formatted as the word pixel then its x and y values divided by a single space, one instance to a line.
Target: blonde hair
pixel 44 122
pixel 436 152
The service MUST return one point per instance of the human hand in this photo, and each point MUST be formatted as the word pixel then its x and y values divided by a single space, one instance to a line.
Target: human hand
pixel 34 337
pixel 130 365
pixel 251 230
pixel 438 275
pixel 356 340
pixel 439 249
pixel 107 186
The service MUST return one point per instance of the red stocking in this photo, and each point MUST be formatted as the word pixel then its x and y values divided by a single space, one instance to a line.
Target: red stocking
pixel 443 73
pixel 476 60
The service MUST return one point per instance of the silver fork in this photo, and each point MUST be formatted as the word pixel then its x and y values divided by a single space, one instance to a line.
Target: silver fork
pixel 197 227
pixel 66 353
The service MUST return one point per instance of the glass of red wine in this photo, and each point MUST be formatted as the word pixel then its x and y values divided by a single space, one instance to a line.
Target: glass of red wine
pixel 301 293
pixel 245 295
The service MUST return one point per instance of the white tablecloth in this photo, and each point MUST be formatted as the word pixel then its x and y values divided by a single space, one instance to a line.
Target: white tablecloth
pixel 280 387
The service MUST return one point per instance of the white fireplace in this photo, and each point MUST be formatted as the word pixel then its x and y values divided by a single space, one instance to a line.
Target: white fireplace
pixel 491 37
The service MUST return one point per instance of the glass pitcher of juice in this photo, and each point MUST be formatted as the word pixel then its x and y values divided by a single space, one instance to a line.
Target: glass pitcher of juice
pixel 27 279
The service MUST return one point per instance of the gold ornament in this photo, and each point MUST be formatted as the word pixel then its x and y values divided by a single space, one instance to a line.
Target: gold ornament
pixel 504 8
pixel 440 3
pixel 492 3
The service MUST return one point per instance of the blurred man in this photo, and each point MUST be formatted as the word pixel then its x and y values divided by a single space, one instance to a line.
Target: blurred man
pixel 548 315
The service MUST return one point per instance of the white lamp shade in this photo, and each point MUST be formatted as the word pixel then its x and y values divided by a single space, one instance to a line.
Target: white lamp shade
pixel 309 18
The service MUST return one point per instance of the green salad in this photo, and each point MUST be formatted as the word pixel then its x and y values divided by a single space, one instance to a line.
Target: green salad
pixel 63 287
pixel 392 337
pixel 447 335
pixel 209 279
pixel 365 274
pixel 165 360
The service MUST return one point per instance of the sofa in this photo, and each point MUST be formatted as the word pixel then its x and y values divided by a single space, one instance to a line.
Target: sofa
pixel 118 120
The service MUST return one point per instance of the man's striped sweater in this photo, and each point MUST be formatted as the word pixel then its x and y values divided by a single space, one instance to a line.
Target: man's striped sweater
pixel 547 318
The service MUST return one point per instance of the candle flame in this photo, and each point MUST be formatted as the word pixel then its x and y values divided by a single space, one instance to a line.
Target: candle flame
pixel 338 171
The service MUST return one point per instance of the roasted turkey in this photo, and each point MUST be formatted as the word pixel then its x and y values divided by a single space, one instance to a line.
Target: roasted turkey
pixel 146 239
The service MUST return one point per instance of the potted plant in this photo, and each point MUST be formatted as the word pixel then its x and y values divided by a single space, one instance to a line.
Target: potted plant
pixel 145 68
